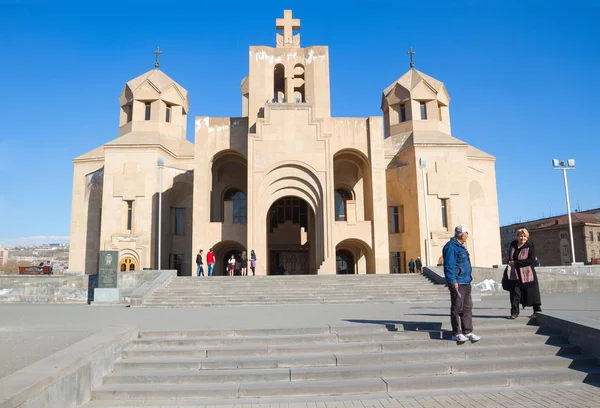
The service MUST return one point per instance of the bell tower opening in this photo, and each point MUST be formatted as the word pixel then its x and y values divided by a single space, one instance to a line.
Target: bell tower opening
pixel 279 83
pixel 291 237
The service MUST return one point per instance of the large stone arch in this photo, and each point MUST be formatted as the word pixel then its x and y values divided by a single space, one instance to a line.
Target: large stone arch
pixel 296 179
pixel 362 252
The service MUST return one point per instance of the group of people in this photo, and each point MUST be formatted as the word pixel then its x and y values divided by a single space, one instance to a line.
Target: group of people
pixel 418 264
pixel 234 263
pixel 520 281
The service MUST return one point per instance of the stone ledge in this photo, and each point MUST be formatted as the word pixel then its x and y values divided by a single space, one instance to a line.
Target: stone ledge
pixel 142 292
pixel 582 331
pixel 66 378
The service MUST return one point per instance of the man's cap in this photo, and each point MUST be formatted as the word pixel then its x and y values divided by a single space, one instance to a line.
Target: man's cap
pixel 460 229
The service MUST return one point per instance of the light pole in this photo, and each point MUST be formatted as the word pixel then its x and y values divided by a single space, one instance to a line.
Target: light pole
pixel 423 165
pixel 161 165
pixel 569 165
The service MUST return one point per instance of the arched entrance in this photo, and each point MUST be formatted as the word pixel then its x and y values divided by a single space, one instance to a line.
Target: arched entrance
pixel 291 237
pixel 355 256
pixel 223 251
pixel 344 262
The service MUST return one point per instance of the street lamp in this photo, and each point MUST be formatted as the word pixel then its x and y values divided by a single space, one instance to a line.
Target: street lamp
pixel 423 165
pixel 161 165
pixel 569 165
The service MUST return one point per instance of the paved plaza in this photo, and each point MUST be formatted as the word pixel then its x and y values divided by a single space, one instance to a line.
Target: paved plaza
pixel 32 332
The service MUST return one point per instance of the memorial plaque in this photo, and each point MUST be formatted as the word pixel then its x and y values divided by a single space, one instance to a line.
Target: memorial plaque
pixel 108 269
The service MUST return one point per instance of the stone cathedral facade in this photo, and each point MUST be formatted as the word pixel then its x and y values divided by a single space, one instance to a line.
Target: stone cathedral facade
pixel 313 193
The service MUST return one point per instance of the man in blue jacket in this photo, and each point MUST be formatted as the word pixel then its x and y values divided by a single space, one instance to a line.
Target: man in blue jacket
pixel 457 270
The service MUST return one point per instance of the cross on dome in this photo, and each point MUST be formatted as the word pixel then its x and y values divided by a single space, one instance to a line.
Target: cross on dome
pixel 411 53
pixel 157 53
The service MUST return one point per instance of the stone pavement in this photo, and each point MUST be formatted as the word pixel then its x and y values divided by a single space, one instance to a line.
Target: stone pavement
pixel 31 332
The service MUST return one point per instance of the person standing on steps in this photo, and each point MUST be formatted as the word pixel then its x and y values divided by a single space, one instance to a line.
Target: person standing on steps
pixel 457 270
pixel 411 266
pixel 199 264
pixel 210 260
pixel 244 264
pixel 522 278
pixel 231 264
pixel 252 262
pixel 419 264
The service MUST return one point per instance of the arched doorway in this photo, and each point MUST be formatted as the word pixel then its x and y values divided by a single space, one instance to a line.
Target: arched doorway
pixel 344 262
pixel 127 264
pixel 223 251
pixel 356 256
pixel 291 237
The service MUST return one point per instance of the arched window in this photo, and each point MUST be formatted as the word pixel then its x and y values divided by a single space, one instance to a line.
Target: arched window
pixel 344 262
pixel 127 264
pixel 279 84
pixel 341 196
pixel 239 205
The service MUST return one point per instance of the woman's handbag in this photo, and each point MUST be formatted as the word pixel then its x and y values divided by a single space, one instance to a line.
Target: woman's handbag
pixel 505 280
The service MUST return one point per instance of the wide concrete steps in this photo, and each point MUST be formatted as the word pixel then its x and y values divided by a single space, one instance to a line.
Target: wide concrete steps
pixel 311 289
pixel 370 359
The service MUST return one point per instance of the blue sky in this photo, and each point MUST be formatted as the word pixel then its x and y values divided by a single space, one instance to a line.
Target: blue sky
pixel 523 77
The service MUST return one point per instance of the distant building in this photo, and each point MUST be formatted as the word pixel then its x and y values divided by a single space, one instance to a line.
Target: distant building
pixel 551 238
pixel 3 255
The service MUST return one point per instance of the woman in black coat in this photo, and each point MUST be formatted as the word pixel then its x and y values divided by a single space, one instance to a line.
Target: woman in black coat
pixel 523 282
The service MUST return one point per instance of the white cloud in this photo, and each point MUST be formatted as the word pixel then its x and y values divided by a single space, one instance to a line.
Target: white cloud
pixel 35 240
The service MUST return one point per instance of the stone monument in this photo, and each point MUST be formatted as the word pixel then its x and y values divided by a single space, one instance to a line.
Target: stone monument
pixel 107 290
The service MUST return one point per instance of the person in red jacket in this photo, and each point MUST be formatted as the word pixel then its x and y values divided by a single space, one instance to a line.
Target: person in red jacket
pixel 210 260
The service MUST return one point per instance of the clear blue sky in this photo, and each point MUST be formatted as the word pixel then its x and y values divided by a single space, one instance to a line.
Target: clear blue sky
pixel 524 78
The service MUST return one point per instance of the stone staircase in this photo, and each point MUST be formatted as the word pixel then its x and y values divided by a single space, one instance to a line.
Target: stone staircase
pixel 299 289
pixel 361 360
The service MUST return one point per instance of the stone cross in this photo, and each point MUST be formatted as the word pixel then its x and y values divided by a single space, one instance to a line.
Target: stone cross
pixel 411 53
pixel 288 25
pixel 157 53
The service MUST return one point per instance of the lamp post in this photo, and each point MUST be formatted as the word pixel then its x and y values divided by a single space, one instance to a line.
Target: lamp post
pixel 161 165
pixel 564 166
pixel 423 165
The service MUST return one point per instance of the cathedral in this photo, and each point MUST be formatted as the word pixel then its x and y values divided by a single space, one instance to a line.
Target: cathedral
pixel 308 192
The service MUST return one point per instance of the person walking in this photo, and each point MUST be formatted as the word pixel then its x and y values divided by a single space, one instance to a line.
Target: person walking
pixel 199 264
pixel 419 264
pixel 457 270
pixel 523 283
pixel 210 260
pixel 411 266
pixel 252 261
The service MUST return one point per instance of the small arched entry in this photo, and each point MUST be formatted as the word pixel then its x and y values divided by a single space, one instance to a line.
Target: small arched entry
pixel 223 251
pixel 344 262
pixel 127 264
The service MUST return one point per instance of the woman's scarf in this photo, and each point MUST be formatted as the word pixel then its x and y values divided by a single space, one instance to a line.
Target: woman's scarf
pixel 526 271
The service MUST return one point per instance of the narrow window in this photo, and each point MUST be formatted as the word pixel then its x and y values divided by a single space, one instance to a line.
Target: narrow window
pixel 439 111
pixel 403 112
pixel 598 236
pixel 168 118
pixel 178 222
pixel 129 214
pixel 341 197
pixel 592 236
pixel 394 222
pixel 444 213
pixel 423 111
pixel 147 110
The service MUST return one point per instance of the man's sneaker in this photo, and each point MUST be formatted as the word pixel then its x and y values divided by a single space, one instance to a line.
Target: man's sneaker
pixel 460 338
pixel 472 337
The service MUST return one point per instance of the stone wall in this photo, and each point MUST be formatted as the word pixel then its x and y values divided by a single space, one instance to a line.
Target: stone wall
pixel 554 279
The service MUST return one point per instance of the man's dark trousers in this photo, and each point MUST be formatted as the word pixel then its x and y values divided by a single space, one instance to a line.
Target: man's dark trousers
pixel 461 310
